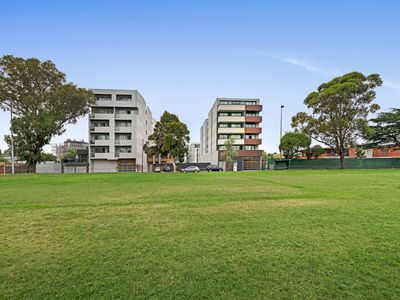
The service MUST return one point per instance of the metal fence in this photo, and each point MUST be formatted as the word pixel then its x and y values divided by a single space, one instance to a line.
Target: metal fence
pixel 334 163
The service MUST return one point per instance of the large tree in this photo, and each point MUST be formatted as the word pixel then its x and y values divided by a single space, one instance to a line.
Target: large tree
pixel 339 111
pixel 169 138
pixel 386 129
pixel 293 142
pixel 42 102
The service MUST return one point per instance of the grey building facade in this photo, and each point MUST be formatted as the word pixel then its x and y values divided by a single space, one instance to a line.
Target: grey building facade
pixel 119 125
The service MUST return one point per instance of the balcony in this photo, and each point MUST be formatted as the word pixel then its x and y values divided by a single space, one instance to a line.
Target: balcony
pixel 124 129
pixel 231 130
pixel 253 130
pixel 237 141
pixel 123 142
pixel 123 116
pixel 124 155
pixel 99 129
pixel 256 108
pixel 249 152
pixel 100 155
pixel 101 116
pixel 228 107
pixel 252 141
pixel 253 119
pixel 100 142
pixel 231 119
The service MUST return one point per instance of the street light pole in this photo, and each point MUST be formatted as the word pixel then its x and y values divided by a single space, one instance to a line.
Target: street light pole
pixel 280 133
pixel 12 144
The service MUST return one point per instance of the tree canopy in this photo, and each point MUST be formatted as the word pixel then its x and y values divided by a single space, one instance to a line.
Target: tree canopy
pixel 339 111
pixel 42 102
pixel 293 142
pixel 385 129
pixel 169 138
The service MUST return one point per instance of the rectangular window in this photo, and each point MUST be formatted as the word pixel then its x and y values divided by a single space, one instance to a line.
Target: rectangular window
pixel 223 136
pixel 250 147
pixel 223 114
pixel 236 114
pixel 251 125
pixel 223 125
pixel 103 97
pixel 124 97
pixel 236 125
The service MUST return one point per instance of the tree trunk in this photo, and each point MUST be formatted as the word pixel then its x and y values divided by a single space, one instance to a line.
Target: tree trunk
pixel 32 166
pixel 341 155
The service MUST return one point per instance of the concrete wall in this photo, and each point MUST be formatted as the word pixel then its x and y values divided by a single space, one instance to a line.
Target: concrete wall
pixel 49 167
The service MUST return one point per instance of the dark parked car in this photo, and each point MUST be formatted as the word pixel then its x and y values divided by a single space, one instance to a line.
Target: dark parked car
pixel 214 168
pixel 191 169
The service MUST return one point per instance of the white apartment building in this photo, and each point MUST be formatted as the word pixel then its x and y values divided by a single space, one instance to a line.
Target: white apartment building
pixel 237 118
pixel 194 153
pixel 119 125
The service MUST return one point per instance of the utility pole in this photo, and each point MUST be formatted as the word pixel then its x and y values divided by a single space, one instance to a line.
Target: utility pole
pixel 280 133
pixel 12 144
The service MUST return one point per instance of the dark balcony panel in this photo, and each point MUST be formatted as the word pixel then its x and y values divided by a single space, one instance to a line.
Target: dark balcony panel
pixel 250 152
pixel 252 141
pixel 253 119
pixel 256 108
pixel 255 130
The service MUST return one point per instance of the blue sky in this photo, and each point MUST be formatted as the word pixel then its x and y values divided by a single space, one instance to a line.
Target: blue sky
pixel 181 55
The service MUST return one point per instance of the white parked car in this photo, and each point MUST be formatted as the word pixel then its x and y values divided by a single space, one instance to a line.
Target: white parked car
pixel 191 169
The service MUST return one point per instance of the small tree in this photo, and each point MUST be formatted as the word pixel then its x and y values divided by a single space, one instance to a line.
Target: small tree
pixel 47 157
pixel 339 111
pixel 69 155
pixel 317 151
pixel 169 138
pixel 360 153
pixel 229 153
pixel 293 142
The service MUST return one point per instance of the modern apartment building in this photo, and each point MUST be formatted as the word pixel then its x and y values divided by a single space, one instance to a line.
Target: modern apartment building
pixel 58 150
pixel 194 153
pixel 238 118
pixel 119 125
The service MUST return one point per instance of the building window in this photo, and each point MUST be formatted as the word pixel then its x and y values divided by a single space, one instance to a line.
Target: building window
pixel 384 151
pixel 223 114
pixel 251 125
pixel 236 125
pixel 250 147
pixel 223 125
pixel 223 136
pixel 251 114
pixel 124 97
pixel 103 97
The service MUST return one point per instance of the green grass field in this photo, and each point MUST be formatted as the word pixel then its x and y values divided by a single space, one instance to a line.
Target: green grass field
pixel 245 235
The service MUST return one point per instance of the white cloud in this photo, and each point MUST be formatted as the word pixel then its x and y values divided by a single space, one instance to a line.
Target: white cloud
pixel 297 62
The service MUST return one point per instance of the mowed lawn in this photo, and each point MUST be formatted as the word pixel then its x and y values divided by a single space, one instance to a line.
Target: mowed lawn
pixel 246 235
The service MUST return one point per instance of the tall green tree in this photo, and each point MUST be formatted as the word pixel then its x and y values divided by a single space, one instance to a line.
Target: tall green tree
pixel 293 142
pixel 339 111
pixel 385 129
pixel 42 101
pixel 169 138
pixel 229 153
